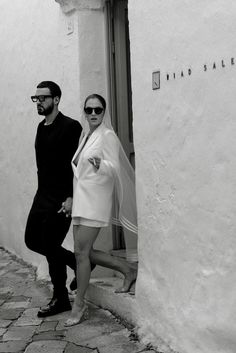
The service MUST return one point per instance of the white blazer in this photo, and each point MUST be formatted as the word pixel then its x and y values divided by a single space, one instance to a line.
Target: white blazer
pixel 92 188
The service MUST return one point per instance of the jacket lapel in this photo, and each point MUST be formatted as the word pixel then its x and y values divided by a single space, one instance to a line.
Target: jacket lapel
pixel 84 146
pixel 93 138
pixel 74 166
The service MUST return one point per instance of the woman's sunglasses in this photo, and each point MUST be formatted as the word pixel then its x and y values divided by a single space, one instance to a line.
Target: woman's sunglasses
pixel 97 110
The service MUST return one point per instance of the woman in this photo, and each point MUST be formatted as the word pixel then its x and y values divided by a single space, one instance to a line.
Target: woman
pixel 102 180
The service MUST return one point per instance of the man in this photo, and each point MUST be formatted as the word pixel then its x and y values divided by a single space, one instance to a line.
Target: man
pixel 49 219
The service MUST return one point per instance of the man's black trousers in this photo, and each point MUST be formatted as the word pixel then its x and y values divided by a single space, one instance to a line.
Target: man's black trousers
pixel 45 232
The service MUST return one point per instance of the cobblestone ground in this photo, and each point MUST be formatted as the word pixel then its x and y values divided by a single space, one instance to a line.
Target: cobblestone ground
pixel 22 331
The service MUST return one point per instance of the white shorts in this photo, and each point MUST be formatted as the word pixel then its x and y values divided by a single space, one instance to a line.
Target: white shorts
pixel 88 222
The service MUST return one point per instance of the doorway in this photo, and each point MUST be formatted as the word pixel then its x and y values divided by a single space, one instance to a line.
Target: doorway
pixel 120 94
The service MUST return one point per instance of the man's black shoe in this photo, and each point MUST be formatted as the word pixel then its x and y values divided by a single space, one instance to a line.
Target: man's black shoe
pixel 73 283
pixel 55 306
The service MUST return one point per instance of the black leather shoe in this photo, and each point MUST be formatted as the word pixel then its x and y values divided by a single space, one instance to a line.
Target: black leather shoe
pixel 55 306
pixel 73 283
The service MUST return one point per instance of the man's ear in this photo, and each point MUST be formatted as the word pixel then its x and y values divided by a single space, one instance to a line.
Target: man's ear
pixel 56 100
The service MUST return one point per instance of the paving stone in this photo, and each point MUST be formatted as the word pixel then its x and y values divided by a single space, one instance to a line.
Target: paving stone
pixel 47 326
pixel 5 323
pixel 46 347
pixel 19 333
pixel 24 270
pixel 27 321
pixel 31 312
pixel 119 344
pixel 20 289
pixel 50 335
pixel 29 318
pixel 62 316
pixel 5 296
pixel 2 331
pixel 20 301
pixel 103 339
pixel 98 324
pixel 15 305
pixel 73 348
pixel 13 346
pixel 19 298
pixel 39 296
pixel 3 272
pixel 10 314
pixel 24 276
pixel 149 351
pixel 38 288
pixel 37 302
pixel 6 290
pixel 10 270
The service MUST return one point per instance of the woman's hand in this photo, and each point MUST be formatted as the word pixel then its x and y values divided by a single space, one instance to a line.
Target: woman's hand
pixel 66 207
pixel 95 161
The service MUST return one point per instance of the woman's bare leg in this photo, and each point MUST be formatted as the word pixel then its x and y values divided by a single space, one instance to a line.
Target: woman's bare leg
pixel 84 238
pixel 106 260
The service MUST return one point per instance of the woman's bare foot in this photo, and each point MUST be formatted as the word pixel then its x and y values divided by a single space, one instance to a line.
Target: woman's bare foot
pixel 78 314
pixel 129 279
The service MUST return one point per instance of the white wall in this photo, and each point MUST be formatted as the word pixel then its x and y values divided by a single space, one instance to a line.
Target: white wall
pixel 37 44
pixel 185 162
pixel 34 46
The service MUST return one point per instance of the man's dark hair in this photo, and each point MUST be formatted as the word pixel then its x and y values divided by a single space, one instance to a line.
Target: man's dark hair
pixel 52 86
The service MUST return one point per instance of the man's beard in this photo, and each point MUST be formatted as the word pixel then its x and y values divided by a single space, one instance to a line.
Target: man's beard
pixel 45 111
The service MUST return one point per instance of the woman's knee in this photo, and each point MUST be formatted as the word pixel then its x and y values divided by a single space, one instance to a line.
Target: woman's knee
pixel 84 238
pixel 81 257
pixel 81 251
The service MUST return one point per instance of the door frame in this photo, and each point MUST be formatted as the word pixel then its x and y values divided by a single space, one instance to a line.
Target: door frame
pixel 119 84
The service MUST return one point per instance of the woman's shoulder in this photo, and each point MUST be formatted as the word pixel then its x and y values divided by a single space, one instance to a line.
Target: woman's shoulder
pixel 106 131
pixel 110 138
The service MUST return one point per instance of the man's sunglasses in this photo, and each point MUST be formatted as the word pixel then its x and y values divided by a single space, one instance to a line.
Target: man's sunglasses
pixel 40 98
pixel 97 110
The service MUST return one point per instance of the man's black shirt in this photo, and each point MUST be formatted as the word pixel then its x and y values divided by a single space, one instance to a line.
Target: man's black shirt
pixel 55 145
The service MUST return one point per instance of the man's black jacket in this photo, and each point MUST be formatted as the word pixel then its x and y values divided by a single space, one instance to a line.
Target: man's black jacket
pixel 55 145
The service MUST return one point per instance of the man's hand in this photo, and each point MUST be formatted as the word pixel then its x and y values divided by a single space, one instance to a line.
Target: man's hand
pixel 66 207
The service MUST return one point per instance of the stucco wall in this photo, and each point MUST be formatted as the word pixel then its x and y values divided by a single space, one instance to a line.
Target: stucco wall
pixel 185 162
pixel 39 42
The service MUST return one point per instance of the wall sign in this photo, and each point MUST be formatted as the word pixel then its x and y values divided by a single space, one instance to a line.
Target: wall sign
pixel 184 73
pixel 156 80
